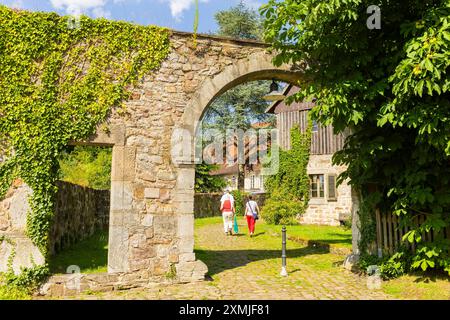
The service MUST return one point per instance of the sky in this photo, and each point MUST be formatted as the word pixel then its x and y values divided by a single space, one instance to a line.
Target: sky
pixel 174 14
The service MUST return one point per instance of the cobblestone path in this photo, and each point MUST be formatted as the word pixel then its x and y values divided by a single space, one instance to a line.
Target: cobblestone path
pixel 248 268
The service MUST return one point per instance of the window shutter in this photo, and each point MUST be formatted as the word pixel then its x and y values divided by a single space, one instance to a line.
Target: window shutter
pixel 332 187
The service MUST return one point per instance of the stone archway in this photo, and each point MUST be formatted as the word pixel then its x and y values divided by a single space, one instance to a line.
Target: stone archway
pixel 257 66
pixel 151 231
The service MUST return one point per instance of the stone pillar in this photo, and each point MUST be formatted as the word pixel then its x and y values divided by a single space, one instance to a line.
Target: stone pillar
pixel 188 268
pixel 14 243
pixel 122 176
pixel 356 234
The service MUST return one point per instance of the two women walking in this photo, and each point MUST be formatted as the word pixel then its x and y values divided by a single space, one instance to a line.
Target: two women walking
pixel 227 206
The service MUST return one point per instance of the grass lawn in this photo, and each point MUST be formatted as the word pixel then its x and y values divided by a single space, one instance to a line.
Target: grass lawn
pixel 91 255
pixel 334 236
pixel 268 236
pixel 419 287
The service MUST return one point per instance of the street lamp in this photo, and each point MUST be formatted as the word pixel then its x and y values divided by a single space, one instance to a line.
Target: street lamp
pixel 275 93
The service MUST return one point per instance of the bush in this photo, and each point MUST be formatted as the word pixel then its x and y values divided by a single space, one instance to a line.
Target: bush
pixel 12 292
pixel 390 267
pixel 279 209
pixel 87 166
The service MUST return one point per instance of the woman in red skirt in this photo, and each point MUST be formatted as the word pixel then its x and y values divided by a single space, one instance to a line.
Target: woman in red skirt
pixel 251 214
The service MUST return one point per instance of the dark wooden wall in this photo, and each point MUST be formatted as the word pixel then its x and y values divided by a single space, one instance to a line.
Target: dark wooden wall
pixel 324 141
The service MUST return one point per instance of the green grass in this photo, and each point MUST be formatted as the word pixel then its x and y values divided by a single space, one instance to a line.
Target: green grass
pixel 91 255
pixel 418 287
pixel 13 293
pixel 335 236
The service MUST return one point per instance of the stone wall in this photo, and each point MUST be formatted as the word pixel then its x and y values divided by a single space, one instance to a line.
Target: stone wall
pixel 151 229
pixel 79 213
pixel 323 211
pixel 208 204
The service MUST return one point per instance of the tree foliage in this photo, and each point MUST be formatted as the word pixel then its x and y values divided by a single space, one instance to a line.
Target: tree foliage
pixel 288 190
pixel 205 182
pixel 87 166
pixel 243 105
pixel 240 22
pixel 391 88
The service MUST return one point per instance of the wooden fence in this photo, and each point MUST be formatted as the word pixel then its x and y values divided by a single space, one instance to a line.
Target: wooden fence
pixel 390 232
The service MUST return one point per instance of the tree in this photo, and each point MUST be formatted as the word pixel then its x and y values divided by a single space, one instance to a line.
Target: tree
pixel 243 105
pixel 240 22
pixel 390 86
pixel 204 182
pixel 87 166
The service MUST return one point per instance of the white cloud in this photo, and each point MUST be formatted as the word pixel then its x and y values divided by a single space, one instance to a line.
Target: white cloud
pixel 253 3
pixel 18 4
pixel 177 7
pixel 76 7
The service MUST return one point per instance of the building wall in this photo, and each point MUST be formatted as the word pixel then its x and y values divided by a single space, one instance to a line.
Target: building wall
pixel 323 140
pixel 258 182
pixel 324 211
pixel 324 143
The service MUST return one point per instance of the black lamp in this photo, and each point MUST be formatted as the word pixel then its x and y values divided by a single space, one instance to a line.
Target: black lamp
pixel 275 94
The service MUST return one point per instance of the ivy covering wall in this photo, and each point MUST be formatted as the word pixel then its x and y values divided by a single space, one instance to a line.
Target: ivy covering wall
pixel 57 84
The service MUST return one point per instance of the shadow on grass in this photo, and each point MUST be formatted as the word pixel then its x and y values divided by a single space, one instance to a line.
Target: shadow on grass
pixel 91 255
pixel 430 276
pixel 218 260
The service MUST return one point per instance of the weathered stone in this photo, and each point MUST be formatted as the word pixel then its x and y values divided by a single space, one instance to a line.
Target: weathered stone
pixel 146 180
pixel 4 224
pixel 147 221
pixel 152 193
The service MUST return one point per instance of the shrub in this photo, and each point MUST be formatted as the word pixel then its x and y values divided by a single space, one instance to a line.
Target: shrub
pixel 280 209
pixel 288 190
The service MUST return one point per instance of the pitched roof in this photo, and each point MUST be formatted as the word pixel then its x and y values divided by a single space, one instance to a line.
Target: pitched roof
pixel 281 106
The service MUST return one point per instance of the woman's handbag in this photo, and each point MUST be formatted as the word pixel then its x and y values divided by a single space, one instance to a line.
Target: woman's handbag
pixel 255 215
pixel 235 227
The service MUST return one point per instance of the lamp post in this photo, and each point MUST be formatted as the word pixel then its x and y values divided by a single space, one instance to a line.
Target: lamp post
pixel 283 252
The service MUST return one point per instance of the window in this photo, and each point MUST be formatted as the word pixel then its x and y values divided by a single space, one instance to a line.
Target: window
pixel 320 183
pixel 317 186
pixel 331 187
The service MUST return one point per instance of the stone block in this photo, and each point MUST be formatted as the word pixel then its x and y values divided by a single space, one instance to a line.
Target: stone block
pixel 118 249
pixel 152 193
pixel 187 257
pixel 164 225
pixel 186 179
pixel 121 195
pixel 123 166
pixel 185 226
pixel 147 221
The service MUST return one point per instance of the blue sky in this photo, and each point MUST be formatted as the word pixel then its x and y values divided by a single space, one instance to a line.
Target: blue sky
pixel 174 14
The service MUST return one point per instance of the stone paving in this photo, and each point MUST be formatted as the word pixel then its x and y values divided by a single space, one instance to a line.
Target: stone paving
pixel 248 268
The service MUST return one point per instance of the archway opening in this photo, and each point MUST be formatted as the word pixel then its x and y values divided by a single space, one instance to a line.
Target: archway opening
pixel 326 226
pixel 79 233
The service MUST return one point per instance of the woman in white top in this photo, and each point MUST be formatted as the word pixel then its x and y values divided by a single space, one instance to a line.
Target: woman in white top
pixel 228 210
pixel 251 214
